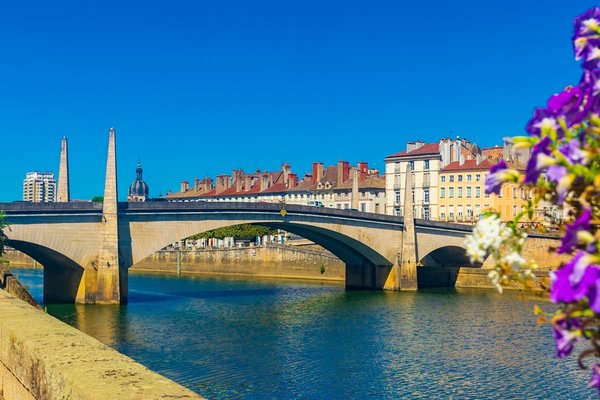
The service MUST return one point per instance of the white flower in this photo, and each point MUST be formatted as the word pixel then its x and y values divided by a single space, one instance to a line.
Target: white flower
pixel 514 259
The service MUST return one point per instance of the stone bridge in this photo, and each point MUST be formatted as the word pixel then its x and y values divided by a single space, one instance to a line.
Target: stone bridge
pixel 87 248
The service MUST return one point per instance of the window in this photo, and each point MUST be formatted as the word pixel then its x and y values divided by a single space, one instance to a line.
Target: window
pixel 451 215
pixel 338 205
pixel 443 178
pixel 442 216
pixel 363 207
pixel 460 178
pixel 469 213
pixel 413 196
pixel 397 212
pixel 477 192
pixel 442 192
pixel 426 196
pixel 451 178
pixel 459 192
pixel 469 192
pixel 478 178
pixel 514 210
pixel 346 206
pixel 426 213
pixel 469 178
pixel 397 197
pixel 514 193
pixel 397 167
pixel 411 164
pixel 451 193
pixel 426 165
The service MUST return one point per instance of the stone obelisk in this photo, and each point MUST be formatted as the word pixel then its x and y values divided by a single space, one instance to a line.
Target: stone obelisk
pixel 108 285
pixel 407 277
pixel 64 195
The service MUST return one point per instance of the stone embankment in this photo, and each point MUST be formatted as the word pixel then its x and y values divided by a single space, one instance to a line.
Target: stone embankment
pixel 276 261
pixel 42 358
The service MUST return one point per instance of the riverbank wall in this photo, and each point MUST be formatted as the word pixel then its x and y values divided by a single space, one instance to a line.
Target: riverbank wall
pixel 275 261
pixel 42 358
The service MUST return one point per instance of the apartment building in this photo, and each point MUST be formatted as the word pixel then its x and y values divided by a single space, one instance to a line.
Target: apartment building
pixel 39 187
pixel 462 192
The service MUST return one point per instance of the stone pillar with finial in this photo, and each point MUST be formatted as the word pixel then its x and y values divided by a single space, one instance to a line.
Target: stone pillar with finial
pixel 109 286
pixel 63 194
pixel 407 259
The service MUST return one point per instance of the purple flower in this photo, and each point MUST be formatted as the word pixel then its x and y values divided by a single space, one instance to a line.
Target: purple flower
pixel 543 119
pixel 595 381
pixel 575 281
pixel 572 152
pixel 495 179
pixel 565 333
pixel 569 241
pixel 556 172
pixel 587 27
pixel 573 103
pixel 534 169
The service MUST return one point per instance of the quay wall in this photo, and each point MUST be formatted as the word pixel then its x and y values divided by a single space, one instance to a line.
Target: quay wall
pixel 466 277
pixel 279 261
pixel 42 358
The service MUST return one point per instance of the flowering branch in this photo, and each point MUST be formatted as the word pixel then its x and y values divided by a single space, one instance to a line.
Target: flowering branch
pixel 564 170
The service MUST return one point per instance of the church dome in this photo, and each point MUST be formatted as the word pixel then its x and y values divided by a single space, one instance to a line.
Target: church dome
pixel 138 189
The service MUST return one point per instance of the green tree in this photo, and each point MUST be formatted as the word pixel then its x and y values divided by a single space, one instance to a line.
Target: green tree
pixel 236 231
pixel 98 198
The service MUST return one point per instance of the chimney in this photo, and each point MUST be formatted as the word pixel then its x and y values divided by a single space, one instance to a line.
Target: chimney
pixel 307 177
pixel 196 184
pixel 286 169
pixel 185 186
pixel 292 181
pixel 208 185
pixel 354 198
pixel 222 183
pixel 264 181
pixel 247 182
pixel 239 181
pixel 363 170
pixel 461 159
pixel 317 172
pixel 479 158
pixel 419 144
pixel 410 146
pixel 343 172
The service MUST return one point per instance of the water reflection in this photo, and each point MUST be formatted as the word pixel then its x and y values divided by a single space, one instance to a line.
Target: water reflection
pixel 269 339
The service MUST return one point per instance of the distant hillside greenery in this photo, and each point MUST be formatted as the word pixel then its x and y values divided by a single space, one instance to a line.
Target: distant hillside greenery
pixel 237 231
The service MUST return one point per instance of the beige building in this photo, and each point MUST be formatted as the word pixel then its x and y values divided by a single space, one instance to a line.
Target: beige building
pixel 425 160
pixel 39 187
pixel 463 197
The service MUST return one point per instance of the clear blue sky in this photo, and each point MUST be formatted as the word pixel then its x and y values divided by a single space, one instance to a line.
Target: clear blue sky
pixel 198 88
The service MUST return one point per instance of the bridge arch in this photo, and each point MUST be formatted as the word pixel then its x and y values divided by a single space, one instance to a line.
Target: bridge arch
pixel 368 265
pixel 447 256
pixel 62 275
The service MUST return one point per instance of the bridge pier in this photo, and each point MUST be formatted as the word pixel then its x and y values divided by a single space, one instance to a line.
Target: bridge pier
pixel 367 276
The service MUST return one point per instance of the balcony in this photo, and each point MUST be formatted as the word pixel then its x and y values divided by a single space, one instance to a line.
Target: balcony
pixel 396 186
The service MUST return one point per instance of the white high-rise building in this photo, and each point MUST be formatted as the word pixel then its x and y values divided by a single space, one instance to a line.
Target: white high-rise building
pixel 39 187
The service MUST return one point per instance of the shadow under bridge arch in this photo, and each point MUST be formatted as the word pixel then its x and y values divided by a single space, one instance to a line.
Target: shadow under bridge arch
pixel 62 275
pixel 365 267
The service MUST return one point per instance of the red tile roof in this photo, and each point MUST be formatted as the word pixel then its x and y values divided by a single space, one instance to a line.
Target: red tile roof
pixel 427 148
pixel 469 165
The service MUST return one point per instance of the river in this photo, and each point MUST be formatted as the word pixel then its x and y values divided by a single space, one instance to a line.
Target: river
pixel 269 339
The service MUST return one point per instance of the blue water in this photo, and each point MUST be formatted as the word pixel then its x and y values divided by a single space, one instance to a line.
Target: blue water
pixel 251 339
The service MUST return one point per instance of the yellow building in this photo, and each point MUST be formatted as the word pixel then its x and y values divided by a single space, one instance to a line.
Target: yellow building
pixel 462 196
